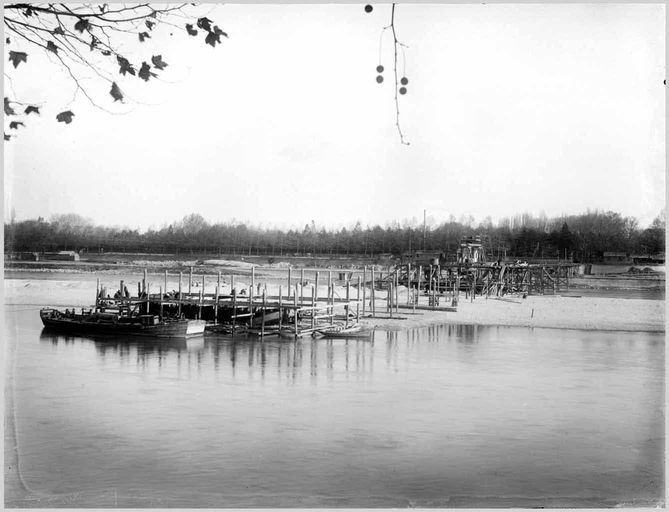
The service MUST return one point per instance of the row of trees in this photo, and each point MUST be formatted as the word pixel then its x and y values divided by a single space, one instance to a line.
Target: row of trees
pixel 586 237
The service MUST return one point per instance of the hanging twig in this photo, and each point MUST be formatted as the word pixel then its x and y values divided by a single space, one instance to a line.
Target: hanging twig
pixel 396 44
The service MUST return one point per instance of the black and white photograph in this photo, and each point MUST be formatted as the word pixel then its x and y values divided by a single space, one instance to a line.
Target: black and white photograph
pixel 334 255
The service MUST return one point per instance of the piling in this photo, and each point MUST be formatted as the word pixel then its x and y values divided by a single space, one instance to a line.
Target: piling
pixel 181 298
pixel 280 309
pixel 364 290
pixel 264 307
pixel 218 290
pixel 301 286
pixel 348 294
pixel 357 305
pixel 201 296
pixel 313 306
pixel 397 292
pixel 234 305
pixel 409 287
pixel 373 295
pixel 296 315
pixel 251 298
pixel 317 273
pixel 391 291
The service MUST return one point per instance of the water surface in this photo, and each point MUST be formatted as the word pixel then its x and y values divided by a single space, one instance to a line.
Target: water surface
pixel 445 416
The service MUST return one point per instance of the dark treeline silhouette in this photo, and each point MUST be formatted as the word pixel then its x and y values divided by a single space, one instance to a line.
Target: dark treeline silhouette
pixel 585 237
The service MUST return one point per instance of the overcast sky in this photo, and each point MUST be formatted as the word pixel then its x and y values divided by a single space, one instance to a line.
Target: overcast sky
pixel 510 109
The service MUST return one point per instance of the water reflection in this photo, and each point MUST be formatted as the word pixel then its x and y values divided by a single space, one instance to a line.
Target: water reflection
pixel 325 357
pixel 420 416
pixel 122 345
pixel 329 359
pixel 319 357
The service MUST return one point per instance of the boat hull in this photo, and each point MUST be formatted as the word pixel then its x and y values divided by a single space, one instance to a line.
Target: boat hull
pixel 84 325
pixel 351 332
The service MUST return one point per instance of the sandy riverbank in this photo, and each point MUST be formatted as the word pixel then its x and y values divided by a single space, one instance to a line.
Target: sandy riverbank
pixel 596 313
pixel 535 311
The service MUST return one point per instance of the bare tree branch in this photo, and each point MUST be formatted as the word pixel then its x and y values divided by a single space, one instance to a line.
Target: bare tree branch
pixel 396 43
pixel 62 32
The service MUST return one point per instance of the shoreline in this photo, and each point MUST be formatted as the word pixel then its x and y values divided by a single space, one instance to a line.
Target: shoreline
pixel 555 312
pixel 540 311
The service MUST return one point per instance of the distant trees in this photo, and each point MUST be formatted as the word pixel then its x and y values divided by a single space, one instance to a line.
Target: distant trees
pixel 652 239
pixel 586 236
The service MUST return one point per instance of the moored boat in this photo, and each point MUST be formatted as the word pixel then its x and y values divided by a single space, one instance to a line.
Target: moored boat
pixel 354 331
pixel 98 322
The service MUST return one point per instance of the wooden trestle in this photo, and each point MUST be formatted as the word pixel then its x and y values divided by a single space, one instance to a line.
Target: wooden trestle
pixel 297 307
pixel 294 312
pixel 487 279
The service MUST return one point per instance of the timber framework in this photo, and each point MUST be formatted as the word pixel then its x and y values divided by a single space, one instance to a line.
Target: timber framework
pixel 310 301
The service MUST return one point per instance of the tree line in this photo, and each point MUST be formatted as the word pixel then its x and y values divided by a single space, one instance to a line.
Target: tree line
pixel 584 237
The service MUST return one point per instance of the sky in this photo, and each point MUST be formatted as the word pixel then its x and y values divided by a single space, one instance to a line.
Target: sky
pixel 510 108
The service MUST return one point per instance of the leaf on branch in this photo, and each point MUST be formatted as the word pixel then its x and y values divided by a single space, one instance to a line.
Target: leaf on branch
pixel 7 137
pixel 191 31
pixel 126 67
pixel 103 8
pixel 15 124
pixel 143 35
pixel 51 47
pixel 9 111
pixel 212 39
pixel 65 117
pixel 149 24
pixel 158 62
pixel 94 43
pixel 116 93
pixel 145 72
pixel 31 108
pixel 106 53
pixel 153 14
pixel 219 32
pixel 28 12
pixel 81 25
pixel 58 31
pixel 17 58
pixel 204 23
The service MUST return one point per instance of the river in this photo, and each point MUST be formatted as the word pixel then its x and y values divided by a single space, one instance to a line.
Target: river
pixel 441 416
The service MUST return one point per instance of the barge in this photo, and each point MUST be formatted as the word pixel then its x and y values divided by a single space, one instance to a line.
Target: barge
pixel 98 322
